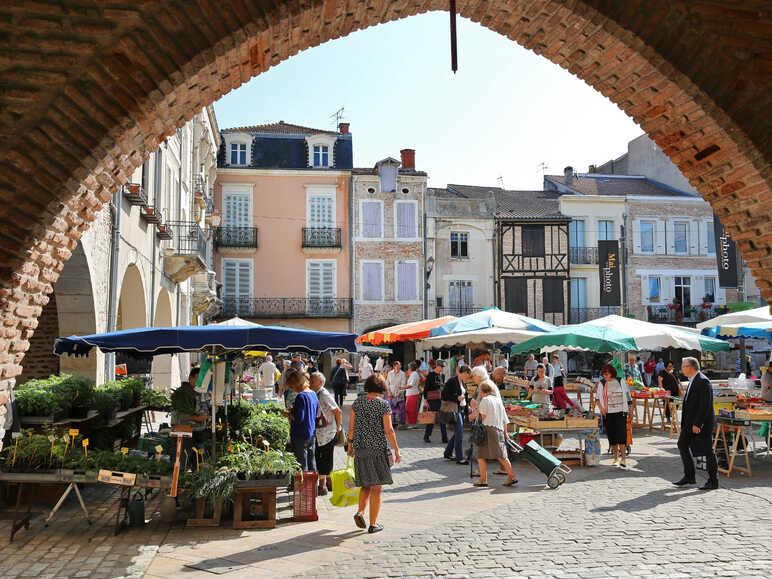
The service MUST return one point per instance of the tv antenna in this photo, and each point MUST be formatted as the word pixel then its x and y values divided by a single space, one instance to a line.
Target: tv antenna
pixel 500 179
pixel 542 167
pixel 337 116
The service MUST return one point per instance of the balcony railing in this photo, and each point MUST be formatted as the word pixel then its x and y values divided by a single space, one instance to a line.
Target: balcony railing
pixel 135 194
pixel 322 237
pixel 583 255
pixel 187 238
pixel 457 311
pixel 287 307
pixel 665 314
pixel 235 236
pixel 579 315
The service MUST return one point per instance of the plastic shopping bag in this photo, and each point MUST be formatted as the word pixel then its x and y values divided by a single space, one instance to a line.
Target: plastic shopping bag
pixel 344 490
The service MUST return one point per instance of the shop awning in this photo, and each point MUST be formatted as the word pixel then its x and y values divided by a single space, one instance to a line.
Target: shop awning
pixel 403 332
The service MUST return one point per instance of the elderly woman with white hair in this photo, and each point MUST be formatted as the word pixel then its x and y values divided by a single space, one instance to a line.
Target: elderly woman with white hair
pixel 328 423
pixel 491 412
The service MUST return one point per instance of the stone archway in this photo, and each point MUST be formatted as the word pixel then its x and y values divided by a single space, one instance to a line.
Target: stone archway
pixel 90 91
pixel 132 312
pixel 162 365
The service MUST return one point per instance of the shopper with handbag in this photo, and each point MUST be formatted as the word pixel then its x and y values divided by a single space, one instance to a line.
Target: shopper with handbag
pixel 328 425
pixel 489 434
pixel 339 380
pixel 370 433
pixel 433 396
pixel 451 412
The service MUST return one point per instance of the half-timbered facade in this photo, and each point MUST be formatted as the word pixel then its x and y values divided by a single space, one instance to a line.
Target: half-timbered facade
pixel 532 255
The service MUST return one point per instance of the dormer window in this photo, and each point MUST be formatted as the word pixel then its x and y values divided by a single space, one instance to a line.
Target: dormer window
pixel 238 154
pixel 321 150
pixel 321 156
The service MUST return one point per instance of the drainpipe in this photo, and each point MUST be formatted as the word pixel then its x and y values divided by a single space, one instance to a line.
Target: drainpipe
pixel 179 215
pixel 424 278
pixel 351 256
pixel 156 190
pixel 112 294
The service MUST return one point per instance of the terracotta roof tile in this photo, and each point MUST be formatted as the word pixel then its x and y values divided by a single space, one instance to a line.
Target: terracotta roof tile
pixel 280 128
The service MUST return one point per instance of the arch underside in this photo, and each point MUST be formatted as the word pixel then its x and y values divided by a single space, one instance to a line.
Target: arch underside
pixel 82 107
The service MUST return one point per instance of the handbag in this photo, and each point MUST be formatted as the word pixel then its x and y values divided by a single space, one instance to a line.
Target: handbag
pixel 344 490
pixel 448 413
pixel 478 435
pixel 427 417
pixel 340 438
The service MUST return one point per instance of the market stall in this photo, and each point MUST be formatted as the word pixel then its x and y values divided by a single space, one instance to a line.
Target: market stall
pixel 248 457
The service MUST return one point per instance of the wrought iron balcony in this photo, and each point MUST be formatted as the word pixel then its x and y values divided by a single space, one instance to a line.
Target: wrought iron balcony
pixel 235 236
pixel 668 314
pixel 185 254
pixel 286 307
pixel 322 237
pixel 579 315
pixel 457 311
pixel 583 255
pixel 135 194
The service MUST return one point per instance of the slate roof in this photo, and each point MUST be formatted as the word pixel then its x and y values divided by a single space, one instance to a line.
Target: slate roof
pixel 280 128
pixel 599 184
pixel 529 206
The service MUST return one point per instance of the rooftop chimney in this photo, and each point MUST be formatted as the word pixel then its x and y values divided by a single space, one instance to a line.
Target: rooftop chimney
pixel 343 128
pixel 569 173
pixel 408 159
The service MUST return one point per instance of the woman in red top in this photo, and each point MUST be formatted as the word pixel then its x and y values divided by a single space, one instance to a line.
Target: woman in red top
pixel 560 397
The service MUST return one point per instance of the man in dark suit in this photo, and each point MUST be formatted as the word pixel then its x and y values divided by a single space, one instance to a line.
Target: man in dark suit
pixel 697 419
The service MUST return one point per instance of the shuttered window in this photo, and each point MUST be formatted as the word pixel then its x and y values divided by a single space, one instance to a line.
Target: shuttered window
pixel 533 240
pixel 321 279
pixel 407 227
pixel 372 219
pixel 553 295
pixel 236 210
pixel 516 295
pixel 237 288
pixel 460 297
pixel 372 281
pixel 320 211
pixel 407 282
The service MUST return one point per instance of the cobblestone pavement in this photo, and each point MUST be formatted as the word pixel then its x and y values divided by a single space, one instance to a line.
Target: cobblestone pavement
pixel 604 522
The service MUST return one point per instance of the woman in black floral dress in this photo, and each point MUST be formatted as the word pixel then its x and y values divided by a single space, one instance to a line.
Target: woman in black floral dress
pixel 369 429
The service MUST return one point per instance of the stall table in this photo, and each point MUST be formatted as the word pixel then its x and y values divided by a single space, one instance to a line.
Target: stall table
pixel 643 415
pixel 737 428
pixel 676 403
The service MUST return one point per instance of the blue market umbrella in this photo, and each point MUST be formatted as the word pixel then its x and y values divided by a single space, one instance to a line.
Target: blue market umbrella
pixel 213 338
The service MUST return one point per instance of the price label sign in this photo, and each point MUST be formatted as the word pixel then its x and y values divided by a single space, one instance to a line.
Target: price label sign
pixel 66 438
pixel 159 449
pixel 51 438
pixel 74 432
pixel 16 435
pixel 85 442
pixel 124 450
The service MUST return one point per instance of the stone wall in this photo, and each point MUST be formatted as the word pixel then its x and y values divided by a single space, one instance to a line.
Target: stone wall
pixel 88 91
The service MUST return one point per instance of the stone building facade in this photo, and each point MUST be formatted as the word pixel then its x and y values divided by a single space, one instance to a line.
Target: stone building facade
pixel 137 263
pixel 389 266
pixel 460 230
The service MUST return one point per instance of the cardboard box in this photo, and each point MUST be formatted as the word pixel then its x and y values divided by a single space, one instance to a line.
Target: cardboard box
pixel 112 477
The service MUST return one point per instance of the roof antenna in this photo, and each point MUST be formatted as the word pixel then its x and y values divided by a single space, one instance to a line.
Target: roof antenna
pixel 336 117
pixel 542 167
pixel 501 181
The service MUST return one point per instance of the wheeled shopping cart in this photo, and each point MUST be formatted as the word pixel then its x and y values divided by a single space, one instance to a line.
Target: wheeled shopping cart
pixel 553 469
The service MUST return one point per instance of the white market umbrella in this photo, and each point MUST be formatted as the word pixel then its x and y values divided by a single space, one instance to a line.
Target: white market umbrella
pixel 650 336
pixel 486 337
pixel 237 321
pixel 753 316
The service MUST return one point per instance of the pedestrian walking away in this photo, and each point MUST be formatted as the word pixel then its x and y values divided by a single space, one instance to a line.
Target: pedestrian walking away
pixel 339 380
pixel 370 432
pixel 697 421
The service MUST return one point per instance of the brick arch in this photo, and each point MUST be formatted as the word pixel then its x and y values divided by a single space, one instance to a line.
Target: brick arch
pixel 89 91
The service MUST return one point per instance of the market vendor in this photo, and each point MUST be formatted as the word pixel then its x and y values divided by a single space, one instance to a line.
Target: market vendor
pixel 668 381
pixel 560 397
pixel 188 410
pixel 631 370
pixel 541 386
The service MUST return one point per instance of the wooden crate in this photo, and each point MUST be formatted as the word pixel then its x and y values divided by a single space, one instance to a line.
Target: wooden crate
pixel 510 393
pixel 581 422
pixel 111 477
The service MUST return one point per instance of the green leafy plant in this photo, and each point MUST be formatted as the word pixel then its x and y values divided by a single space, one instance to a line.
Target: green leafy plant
pixel 275 429
pixel 154 399
pixel 104 402
pixel 211 484
pixel 34 402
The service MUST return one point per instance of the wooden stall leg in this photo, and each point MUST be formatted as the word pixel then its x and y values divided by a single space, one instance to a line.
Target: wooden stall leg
pixel 24 522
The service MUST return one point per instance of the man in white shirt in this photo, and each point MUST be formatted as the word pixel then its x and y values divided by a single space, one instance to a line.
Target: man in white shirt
pixel 548 367
pixel 268 372
pixel 379 364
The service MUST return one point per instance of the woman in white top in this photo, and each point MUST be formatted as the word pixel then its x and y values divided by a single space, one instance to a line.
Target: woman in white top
pixel 612 400
pixel 494 418
pixel 395 382
pixel 365 368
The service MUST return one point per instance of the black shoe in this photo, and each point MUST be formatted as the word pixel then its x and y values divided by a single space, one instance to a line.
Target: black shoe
pixel 375 528
pixel 427 439
pixel 684 481
pixel 444 441
pixel 462 462
pixel 711 485
pixel 359 520
pixel 448 457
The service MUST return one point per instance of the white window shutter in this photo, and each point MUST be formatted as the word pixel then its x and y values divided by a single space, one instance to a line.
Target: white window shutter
pixel 670 237
pixel 328 279
pixel 467 297
pixel 637 236
pixel 236 210
pixel 703 237
pixel 406 282
pixel 245 279
pixel 406 221
pixel 372 274
pixel 320 211
pixel 666 290
pixel 694 237
pixel 230 274
pixel 659 237
pixel 371 219
pixel 314 274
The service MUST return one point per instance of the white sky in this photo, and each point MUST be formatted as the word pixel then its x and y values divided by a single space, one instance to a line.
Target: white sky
pixel 505 112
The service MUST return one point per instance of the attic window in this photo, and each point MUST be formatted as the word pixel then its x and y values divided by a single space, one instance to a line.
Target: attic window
pixel 371 190
pixel 405 190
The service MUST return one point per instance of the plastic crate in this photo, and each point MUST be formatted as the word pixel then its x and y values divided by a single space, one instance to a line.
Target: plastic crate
pixel 304 503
